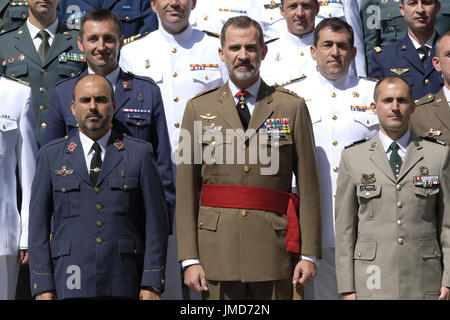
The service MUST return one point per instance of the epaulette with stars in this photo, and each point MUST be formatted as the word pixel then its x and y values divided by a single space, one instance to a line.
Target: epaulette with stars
pixel 132 38
pixel 290 81
pixel 431 139
pixel 356 143
pixel 292 93
pixel 212 34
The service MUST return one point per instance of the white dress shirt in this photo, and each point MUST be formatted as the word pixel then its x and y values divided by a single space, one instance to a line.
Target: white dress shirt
pixel 51 29
pixel 447 94
pixel 402 143
pixel 250 100
pixel 88 152
pixel 429 44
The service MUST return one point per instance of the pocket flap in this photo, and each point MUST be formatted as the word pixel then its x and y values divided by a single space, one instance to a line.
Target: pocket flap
pixel 279 221
pixel 123 183
pixel 61 247
pixel 429 248
pixel 208 220
pixel 65 185
pixel 367 119
pixel 391 12
pixel 206 76
pixel 7 124
pixel 128 15
pixel 17 71
pixel 425 192
pixel 365 250
pixel 368 191
pixel 131 246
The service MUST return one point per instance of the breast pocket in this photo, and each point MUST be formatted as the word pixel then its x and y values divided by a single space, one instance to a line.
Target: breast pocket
pixel 368 198
pixel 367 119
pixel 8 135
pixel 393 24
pixel 208 78
pixel 332 10
pixel 124 193
pixel 364 258
pixel 17 71
pixel 139 124
pixel 431 254
pixel 425 202
pixel 66 194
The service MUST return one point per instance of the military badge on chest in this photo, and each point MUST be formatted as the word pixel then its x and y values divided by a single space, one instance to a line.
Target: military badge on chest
pixel 64 171
pixel 367 181
pixel 276 128
pixel 425 180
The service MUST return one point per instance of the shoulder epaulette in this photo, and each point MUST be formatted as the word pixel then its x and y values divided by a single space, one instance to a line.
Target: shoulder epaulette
pixel 431 139
pixel 205 92
pixel 290 81
pixel 56 141
pixel 143 78
pixel 271 40
pixel 282 89
pixel 357 142
pixel 370 79
pixel 212 34
pixel 17 80
pixel 132 38
pixel 377 49
pixel 426 99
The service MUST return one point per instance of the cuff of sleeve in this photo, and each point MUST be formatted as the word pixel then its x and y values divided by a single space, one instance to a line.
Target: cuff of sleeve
pixel 313 259
pixel 154 278
pixel 189 262
pixel 41 282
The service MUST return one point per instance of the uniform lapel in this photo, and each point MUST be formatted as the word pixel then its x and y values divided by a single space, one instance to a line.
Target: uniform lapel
pixel 227 108
pixel 25 44
pixel 75 156
pixel 60 44
pixel 124 84
pixel 442 110
pixel 412 156
pixel 3 4
pixel 379 158
pixel 409 52
pixel 112 156
pixel 263 107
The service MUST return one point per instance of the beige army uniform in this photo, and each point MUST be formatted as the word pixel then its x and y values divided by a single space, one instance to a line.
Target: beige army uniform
pixel 432 117
pixel 392 236
pixel 237 244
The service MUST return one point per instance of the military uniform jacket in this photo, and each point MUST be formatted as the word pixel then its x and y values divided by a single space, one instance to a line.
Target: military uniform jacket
pixel 393 237
pixel 288 59
pixel 246 245
pixel 432 117
pixel 140 113
pixel 18 148
pixel 13 13
pixel 109 239
pixel 184 65
pixel 340 115
pixel 137 16
pixel 21 60
pixel 401 59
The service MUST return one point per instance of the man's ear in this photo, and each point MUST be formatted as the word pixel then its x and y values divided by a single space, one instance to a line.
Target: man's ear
pixel 72 107
pixel 373 107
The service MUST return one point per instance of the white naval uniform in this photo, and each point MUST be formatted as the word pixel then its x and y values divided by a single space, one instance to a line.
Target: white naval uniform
pixel 288 58
pixel 18 147
pixel 167 59
pixel 211 15
pixel 335 126
pixel 347 10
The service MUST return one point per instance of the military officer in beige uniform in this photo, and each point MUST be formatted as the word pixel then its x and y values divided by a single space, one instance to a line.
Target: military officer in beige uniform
pixel 340 114
pixel 393 208
pixel 236 243
pixel 432 116
pixel 288 58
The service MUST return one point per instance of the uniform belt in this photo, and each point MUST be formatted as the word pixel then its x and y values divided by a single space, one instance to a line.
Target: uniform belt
pixel 247 197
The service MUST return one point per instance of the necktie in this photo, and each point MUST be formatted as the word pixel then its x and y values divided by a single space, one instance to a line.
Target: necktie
pixel 395 160
pixel 424 50
pixel 45 45
pixel 244 113
pixel 96 163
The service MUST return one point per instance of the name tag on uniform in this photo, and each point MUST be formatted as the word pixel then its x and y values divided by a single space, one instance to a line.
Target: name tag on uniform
pixel 368 187
pixel 426 181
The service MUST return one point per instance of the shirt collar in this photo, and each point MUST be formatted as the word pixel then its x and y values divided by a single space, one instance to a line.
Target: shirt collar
pixel 402 142
pixel 51 29
pixel 112 77
pixel 183 36
pixel 87 142
pixel 340 83
pixel 302 41
pixel 253 89
pixel 447 94
pixel 429 43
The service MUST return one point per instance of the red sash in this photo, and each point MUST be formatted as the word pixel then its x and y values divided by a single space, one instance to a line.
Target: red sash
pixel 247 197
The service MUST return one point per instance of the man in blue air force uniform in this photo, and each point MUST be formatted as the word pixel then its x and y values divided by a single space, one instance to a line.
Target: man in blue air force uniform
pixel 140 110
pixel 111 223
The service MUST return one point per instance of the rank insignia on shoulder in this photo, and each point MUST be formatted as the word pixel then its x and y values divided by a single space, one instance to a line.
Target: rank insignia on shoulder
pixel 208 116
pixel 377 49
pixel 132 38
pixel 368 178
pixel 212 34
pixel 400 71
pixel 360 108
pixel 118 144
pixel 69 56
pixel 272 5
pixel 72 146
pixel 16 3
pixel 426 181
pixel 276 127
pixel 203 66
pixel 356 143
pixel 64 171
pixel 431 139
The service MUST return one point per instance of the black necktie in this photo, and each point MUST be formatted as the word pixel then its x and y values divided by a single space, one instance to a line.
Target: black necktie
pixel 424 50
pixel 96 163
pixel 395 160
pixel 45 45
pixel 244 113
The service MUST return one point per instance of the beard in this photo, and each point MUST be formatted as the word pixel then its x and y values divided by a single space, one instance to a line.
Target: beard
pixel 243 75
pixel 93 124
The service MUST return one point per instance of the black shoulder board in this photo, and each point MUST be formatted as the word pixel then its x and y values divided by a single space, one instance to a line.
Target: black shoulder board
pixel 212 34
pixel 356 143
pixel 431 139
pixel 271 40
